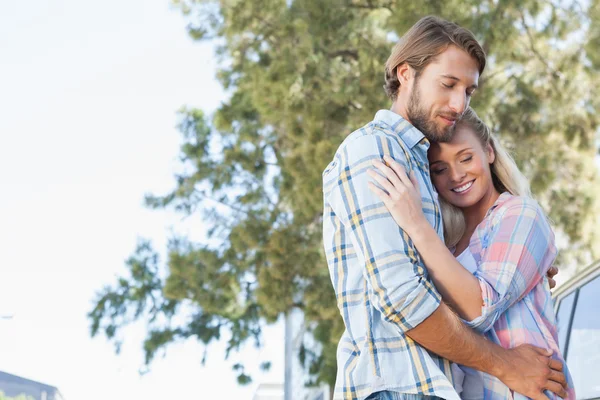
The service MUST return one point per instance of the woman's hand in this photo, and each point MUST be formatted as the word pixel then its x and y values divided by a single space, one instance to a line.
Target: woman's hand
pixel 403 198
pixel 551 274
pixel 458 287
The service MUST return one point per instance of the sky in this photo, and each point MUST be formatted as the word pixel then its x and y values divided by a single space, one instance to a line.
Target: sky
pixel 89 93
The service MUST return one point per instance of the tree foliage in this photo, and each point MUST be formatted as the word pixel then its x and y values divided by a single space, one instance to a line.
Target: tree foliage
pixel 301 75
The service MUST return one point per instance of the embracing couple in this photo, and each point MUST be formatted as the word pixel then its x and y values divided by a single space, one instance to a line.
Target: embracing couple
pixel 440 259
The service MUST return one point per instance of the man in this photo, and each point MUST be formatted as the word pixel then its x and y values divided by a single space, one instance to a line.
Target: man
pixel 391 310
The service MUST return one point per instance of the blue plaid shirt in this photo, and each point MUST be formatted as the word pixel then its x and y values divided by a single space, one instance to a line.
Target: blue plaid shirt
pixel 380 281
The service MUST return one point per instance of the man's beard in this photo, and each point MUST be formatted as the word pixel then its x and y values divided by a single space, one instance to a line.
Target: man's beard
pixel 419 118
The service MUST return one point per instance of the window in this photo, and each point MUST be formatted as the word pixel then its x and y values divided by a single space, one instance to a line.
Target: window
pixel 563 319
pixel 583 353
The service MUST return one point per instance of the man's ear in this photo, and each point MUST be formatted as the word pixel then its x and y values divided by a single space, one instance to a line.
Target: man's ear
pixel 404 73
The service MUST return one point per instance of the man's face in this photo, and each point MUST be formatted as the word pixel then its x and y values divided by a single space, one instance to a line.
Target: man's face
pixel 441 93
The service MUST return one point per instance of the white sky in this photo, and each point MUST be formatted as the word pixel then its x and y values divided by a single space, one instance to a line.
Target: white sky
pixel 88 100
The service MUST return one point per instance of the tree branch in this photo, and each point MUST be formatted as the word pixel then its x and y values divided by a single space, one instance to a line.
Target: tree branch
pixel 371 6
pixel 232 207
pixel 344 53
pixel 556 74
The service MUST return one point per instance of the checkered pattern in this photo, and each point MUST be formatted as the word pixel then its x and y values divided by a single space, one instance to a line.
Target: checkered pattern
pixel 514 248
pixel 381 284
pixel 387 395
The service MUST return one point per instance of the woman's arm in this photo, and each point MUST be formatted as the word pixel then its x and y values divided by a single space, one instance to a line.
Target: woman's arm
pixel 518 252
pixel 516 255
pixel 458 287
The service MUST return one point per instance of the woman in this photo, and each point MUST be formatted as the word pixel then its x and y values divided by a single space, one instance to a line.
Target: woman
pixel 499 244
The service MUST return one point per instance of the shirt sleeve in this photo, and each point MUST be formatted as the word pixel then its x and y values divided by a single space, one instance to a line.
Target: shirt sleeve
pixel 517 253
pixel 399 287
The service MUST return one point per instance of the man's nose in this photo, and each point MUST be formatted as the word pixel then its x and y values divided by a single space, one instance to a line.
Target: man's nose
pixel 458 102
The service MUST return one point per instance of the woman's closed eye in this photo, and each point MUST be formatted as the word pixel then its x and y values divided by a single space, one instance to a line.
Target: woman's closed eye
pixel 467 159
pixel 438 171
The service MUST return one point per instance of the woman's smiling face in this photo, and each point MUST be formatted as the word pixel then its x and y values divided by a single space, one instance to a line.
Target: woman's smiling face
pixel 460 169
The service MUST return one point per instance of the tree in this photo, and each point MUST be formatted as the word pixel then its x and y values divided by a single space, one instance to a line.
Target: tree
pixel 302 75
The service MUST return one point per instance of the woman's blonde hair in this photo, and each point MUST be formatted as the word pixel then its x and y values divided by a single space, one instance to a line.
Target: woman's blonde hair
pixel 506 177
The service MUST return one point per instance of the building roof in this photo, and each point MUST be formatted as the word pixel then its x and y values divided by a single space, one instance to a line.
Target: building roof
pixel 269 391
pixel 13 385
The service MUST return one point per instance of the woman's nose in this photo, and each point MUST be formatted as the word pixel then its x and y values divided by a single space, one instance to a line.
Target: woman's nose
pixel 457 174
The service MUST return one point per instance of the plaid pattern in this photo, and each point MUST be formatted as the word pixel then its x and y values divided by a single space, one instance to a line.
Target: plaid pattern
pixel 387 395
pixel 514 248
pixel 381 284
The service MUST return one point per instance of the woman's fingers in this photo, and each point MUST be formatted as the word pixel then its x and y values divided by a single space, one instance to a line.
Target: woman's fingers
pixel 394 180
pixel 398 169
pixel 551 273
pixel 415 182
pixel 383 182
pixel 380 193
pixel 388 173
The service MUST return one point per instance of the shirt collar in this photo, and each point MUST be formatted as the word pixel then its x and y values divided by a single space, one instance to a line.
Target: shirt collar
pixel 411 135
pixel 503 198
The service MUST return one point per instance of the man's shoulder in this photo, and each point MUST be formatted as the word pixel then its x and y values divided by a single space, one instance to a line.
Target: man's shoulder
pixel 370 132
pixel 366 141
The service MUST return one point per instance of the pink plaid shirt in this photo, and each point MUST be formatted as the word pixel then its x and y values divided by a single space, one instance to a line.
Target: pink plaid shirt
pixel 514 248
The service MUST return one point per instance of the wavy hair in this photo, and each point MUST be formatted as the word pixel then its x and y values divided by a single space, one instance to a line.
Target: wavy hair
pixel 506 177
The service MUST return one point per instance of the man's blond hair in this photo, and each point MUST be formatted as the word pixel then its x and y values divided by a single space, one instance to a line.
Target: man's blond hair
pixel 426 39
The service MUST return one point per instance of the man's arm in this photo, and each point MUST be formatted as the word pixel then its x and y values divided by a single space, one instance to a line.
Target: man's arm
pixel 525 369
pixel 399 288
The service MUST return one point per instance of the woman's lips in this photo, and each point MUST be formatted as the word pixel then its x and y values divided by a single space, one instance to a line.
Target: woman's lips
pixel 463 188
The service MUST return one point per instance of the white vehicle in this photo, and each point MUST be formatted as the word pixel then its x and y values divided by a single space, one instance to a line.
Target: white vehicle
pixel 577 308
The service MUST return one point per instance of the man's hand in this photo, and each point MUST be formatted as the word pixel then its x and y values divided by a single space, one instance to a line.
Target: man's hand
pixel 530 370
pixel 525 369
pixel 551 273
